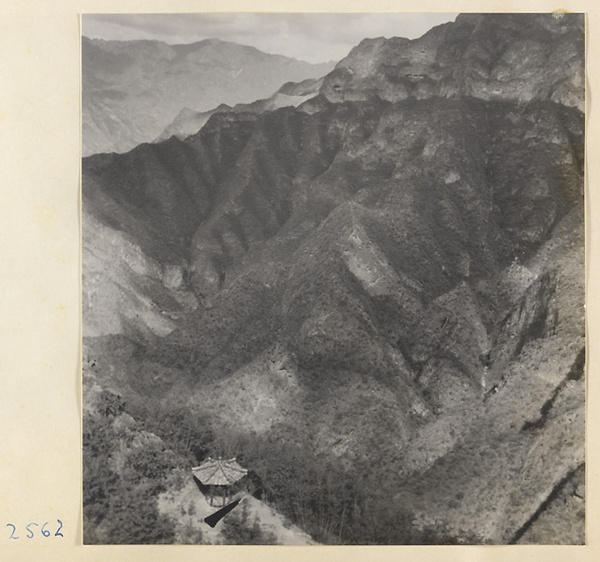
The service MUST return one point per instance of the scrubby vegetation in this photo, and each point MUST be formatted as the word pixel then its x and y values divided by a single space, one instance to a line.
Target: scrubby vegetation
pixel 238 529
pixel 122 479
pixel 136 450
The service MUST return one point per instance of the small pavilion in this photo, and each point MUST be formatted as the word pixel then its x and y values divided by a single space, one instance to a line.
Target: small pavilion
pixel 219 475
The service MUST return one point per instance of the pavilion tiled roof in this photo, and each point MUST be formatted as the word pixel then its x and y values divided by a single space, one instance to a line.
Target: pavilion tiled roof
pixel 219 472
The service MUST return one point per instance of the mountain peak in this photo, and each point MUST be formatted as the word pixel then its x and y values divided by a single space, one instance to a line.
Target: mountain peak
pixel 493 56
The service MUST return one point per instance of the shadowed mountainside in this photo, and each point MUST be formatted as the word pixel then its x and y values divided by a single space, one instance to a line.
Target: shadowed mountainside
pixel 386 281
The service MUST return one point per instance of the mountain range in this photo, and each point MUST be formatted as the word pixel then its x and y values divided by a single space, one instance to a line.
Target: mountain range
pixel 375 299
pixel 133 89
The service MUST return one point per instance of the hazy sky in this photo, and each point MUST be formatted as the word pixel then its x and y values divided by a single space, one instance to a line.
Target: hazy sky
pixel 310 37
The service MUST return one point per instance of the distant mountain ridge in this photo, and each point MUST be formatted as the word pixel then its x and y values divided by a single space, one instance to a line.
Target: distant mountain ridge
pixel 291 94
pixel 133 89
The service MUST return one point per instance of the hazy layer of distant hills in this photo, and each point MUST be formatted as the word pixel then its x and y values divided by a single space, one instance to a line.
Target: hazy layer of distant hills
pixel 291 94
pixel 373 299
pixel 133 89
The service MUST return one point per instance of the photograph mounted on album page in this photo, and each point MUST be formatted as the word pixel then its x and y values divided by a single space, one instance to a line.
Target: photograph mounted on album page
pixel 298 275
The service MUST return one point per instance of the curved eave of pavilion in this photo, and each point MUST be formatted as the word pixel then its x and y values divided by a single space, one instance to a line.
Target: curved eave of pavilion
pixel 219 472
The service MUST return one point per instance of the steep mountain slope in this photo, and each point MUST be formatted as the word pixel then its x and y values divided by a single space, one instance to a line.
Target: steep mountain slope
pixel 133 89
pixel 376 298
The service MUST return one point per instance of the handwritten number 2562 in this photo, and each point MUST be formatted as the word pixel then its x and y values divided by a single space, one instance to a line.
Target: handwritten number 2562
pixel 30 534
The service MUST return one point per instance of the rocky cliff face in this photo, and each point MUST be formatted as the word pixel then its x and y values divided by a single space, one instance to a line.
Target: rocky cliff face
pixel 392 272
pixel 133 89
pixel 500 58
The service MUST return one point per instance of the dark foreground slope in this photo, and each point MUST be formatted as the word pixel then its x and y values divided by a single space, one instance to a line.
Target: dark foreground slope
pixel 375 299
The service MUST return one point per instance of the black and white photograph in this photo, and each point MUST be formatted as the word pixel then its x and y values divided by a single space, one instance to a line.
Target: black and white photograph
pixel 333 278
